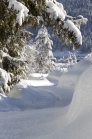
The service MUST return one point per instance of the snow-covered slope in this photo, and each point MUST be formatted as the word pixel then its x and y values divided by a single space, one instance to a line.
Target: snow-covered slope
pixel 50 112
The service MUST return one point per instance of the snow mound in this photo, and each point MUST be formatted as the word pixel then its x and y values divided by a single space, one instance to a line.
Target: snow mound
pixel 39 82
pixel 24 96
pixel 54 76
pixel 82 98
pixel 37 76
pixel 71 77
pixel 48 112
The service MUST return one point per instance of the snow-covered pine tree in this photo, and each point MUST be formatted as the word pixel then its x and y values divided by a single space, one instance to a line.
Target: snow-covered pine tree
pixel 44 51
pixel 14 15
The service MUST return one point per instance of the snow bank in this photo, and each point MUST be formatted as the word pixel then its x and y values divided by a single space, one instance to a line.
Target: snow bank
pixel 54 76
pixel 55 121
pixel 24 97
pixel 37 75
pixel 82 98
pixel 72 76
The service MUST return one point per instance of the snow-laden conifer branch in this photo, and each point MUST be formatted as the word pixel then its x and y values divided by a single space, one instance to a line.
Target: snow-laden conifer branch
pixel 71 27
pixel 20 8
pixel 4 80
pixel 9 69
pixel 56 12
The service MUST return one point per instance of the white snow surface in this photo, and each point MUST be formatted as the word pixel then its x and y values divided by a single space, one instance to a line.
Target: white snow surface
pixel 61 109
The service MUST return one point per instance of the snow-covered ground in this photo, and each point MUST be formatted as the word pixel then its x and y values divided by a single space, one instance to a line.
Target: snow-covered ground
pixel 54 106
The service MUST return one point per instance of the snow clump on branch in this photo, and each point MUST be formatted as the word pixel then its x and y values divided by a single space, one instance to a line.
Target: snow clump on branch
pixel 22 10
pixel 55 9
pixel 70 26
pixel 4 80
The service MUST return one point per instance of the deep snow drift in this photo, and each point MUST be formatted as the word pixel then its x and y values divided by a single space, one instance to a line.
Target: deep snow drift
pixel 58 109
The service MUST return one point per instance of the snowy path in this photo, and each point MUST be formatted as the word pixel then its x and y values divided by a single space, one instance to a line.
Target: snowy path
pixel 50 111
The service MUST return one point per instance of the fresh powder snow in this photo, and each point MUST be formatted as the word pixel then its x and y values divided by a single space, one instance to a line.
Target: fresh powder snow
pixel 61 108
pixel 51 106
